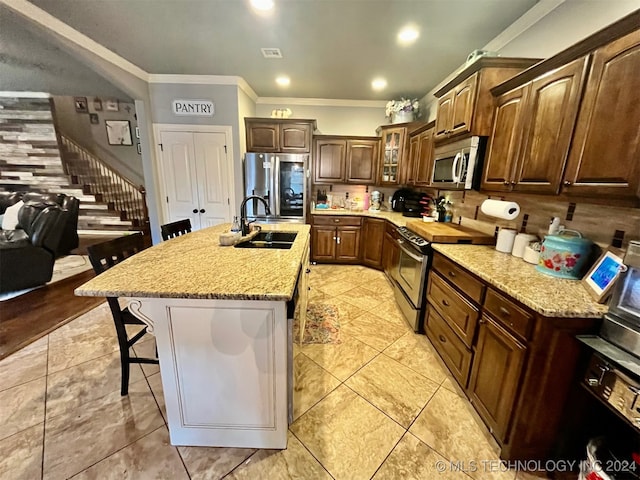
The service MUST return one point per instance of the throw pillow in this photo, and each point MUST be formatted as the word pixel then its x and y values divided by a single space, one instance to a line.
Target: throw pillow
pixel 10 219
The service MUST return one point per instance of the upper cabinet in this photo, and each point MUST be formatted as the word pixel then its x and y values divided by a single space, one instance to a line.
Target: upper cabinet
pixel 605 154
pixel 421 156
pixel 569 124
pixel 279 135
pixel 532 132
pixel 465 104
pixel 342 159
pixel 393 152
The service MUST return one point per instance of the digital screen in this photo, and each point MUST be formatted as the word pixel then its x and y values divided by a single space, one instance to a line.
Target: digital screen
pixel 605 273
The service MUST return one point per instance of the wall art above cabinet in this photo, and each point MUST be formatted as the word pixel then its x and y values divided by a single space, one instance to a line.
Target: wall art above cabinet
pixel 281 136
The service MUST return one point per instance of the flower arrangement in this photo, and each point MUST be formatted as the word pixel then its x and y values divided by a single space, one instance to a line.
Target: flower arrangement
pixel 402 105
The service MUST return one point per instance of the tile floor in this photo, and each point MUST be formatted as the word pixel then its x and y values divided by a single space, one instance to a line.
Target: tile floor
pixel 379 405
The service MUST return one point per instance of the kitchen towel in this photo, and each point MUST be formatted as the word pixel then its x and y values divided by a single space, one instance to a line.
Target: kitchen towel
pixel 500 209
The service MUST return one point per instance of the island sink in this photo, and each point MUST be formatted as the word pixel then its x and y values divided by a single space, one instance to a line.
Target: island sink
pixel 276 240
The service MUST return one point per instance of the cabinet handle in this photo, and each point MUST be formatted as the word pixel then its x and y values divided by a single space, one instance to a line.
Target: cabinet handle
pixel 513 182
pixel 308 270
pixel 338 240
pixel 336 220
pixel 506 182
pixel 202 210
pixel 452 274
pixel 195 210
pixel 505 312
pixel 445 303
pixel 567 183
pixel 482 320
pixel 442 338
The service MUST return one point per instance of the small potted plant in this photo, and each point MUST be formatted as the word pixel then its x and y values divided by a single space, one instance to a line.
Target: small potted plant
pixel 403 110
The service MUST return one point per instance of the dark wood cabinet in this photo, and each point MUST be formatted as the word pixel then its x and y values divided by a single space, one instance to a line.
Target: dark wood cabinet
pixel 279 135
pixel 495 375
pixel 345 159
pixel 421 157
pixel 465 103
pixel 390 248
pixel 394 154
pixel 532 132
pixel 335 239
pixel 414 149
pixel 373 232
pixel 605 152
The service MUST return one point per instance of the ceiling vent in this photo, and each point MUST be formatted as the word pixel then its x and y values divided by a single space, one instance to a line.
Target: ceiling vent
pixel 271 53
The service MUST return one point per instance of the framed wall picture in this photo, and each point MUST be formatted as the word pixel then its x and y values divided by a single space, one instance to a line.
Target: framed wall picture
pixel 97 104
pixel 118 132
pixel 601 277
pixel 111 105
pixel 81 104
pixel 94 119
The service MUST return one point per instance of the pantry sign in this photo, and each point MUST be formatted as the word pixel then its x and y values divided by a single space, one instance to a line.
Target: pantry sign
pixel 201 108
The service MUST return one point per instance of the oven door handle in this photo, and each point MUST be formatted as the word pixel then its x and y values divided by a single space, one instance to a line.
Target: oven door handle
pixel 417 258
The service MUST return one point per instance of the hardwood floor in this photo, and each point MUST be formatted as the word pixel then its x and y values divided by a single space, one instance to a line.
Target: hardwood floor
pixel 26 318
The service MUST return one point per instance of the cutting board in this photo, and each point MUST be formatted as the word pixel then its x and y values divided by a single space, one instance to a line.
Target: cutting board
pixel 449 233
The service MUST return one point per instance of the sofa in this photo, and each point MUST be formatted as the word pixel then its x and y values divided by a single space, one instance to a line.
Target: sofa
pixel 69 204
pixel 28 253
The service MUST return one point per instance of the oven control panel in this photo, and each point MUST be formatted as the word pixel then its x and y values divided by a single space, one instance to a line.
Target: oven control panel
pixel 615 388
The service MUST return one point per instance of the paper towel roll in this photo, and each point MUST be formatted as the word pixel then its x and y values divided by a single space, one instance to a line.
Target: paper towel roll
pixel 520 242
pixel 504 242
pixel 500 209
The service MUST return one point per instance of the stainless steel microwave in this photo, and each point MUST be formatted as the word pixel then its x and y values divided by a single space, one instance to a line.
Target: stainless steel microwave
pixel 458 165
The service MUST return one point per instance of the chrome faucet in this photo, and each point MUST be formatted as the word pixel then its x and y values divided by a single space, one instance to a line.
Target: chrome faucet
pixel 244 225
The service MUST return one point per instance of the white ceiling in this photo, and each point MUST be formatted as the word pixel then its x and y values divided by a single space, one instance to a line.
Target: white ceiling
pixel 331 48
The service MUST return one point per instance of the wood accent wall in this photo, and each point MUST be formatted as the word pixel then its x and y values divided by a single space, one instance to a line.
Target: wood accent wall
pixel 29 152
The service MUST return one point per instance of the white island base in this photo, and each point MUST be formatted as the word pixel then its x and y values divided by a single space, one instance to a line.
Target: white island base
pixel 224 367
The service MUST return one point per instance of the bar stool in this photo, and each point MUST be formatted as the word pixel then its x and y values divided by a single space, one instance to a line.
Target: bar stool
pixel 175 229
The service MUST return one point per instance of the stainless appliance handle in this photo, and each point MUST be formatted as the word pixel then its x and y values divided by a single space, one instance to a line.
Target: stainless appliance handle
pixel 455 174
pixel 417 258
pixel 275 182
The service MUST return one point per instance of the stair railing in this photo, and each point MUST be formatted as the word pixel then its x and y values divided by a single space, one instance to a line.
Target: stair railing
pixel 111 185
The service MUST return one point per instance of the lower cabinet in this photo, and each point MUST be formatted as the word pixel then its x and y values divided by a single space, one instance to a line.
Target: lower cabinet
pixel 515 365
pixel 335 239
pixel 496 372
pixel 390 248
pixel 373 233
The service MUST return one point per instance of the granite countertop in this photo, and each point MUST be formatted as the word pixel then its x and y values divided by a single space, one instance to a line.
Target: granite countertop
pixel 394 217
pixel 547 295
pixel 196 266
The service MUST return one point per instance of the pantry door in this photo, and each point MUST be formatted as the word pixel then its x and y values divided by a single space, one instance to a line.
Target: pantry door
pixel 196 177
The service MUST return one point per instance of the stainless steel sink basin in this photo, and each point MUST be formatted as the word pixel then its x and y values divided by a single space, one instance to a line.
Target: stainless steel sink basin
pixel 276 240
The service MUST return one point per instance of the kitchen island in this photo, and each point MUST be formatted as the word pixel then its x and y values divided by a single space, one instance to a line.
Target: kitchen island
pixel 222 318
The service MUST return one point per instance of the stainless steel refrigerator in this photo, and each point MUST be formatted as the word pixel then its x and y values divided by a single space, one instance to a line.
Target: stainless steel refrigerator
pixel 279 178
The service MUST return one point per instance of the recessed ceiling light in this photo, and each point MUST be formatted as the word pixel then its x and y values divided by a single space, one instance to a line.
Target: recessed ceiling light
pixel 262 5
pixel 283 81
pixel 379 84
pixel 408 35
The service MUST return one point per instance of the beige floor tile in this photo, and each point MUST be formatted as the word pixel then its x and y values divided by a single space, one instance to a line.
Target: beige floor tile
pixel 415 351
pixel 146 348
pixel 22 407
pixel 451 385
pixel 395 389
pixel 374 331
pixel 379 286
pixel 150 457
pixel 24 365
pixel 391 313
pixel 294 463
pixel 346 311
pixel 334 288
pixel 413 460
pixel 311 384
pixel 211 463
pixel 447 425
pixel 349 436
pixel 316 294
pixel 341 360
pixel 71 443
pixel 155 382
pixel 89 336
pixel 362 298
pixel 21 454
pixel 70 388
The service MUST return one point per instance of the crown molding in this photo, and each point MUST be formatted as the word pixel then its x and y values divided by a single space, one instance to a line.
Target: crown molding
pixel 25 94
pixel 48 21
pixel 205 80
pixel 322 102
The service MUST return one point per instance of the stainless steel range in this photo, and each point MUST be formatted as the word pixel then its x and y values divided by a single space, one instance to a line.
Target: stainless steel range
pixel 409 275
pixel 613 374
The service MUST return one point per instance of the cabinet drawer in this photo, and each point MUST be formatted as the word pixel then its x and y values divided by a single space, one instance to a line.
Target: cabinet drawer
pixel 465 282
pixel 392 230
pixel 460 315
pixel 453 352
pixel 508 314
pixel 336 220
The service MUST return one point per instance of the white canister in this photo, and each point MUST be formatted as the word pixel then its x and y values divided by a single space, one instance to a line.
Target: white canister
pixel 506 237
pixel 520 242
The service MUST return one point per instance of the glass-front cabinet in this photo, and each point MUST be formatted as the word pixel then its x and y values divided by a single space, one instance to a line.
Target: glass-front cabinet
pixel 392 153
